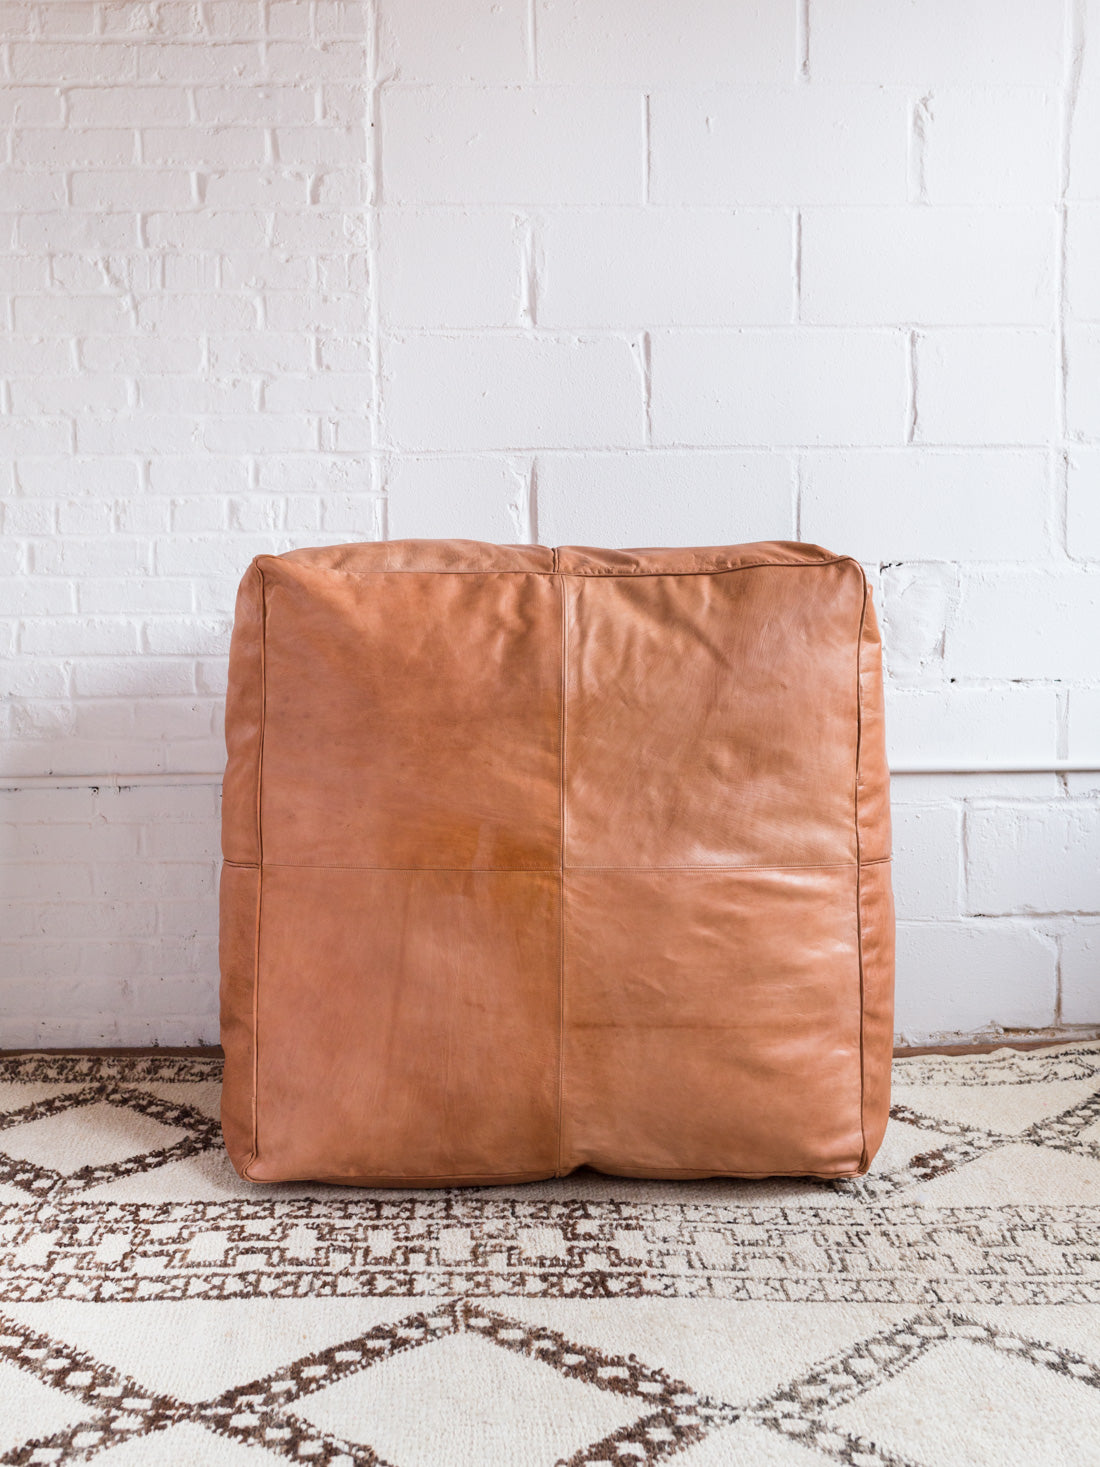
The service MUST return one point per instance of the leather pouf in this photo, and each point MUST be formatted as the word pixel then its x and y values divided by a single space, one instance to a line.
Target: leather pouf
pixel 542 858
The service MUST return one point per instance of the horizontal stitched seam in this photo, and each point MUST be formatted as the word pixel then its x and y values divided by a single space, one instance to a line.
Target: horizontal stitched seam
pixel 554 870
pixel 701 1174
pixel 723 570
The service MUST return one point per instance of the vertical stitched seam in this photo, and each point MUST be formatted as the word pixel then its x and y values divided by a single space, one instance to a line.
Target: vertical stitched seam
pixel 260 875
pixel 863 1159
pixel 561 876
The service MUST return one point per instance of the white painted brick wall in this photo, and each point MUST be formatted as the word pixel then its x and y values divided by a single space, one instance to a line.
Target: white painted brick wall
pixel 285 273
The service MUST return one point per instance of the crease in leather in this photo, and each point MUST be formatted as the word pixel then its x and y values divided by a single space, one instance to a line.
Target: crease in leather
pixel 556 570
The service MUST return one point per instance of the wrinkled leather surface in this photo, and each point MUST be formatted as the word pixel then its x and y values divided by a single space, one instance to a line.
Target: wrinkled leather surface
pixel 540 858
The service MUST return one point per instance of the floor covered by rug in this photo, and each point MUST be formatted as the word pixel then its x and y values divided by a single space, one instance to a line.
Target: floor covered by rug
pixel 944 1311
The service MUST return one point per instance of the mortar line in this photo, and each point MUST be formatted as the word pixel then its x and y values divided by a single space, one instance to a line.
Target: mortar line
pixel 373 223
pixel 647 147
pixel 533 500
pixel 1073 58
pixel 531 40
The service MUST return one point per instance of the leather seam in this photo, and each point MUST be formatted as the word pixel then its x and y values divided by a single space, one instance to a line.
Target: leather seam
pixel 435 1179
pixel 864 1159
pixel 555 870
pixel 259 879
pixel 587 574
pixel 561 868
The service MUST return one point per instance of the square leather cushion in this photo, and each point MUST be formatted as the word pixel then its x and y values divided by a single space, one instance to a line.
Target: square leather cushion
pixel 542 858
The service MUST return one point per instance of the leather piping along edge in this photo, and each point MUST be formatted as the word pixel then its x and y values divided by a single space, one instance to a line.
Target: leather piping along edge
pixel 259 882
pixel 864 1160
pixel 564 599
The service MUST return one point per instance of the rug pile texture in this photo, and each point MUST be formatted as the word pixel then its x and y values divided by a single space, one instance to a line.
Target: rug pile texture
pixel 943 1311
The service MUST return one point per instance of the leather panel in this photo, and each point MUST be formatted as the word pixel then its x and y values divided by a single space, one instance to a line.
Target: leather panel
pixel 239 925
pixel 412 719
pixel 701 1038
pixel 456 556
pixel 876 912
pixel 407 1025
pixel 874 776
pixel 712 719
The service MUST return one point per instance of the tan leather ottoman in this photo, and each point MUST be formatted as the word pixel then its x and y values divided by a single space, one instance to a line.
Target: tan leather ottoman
pixel 541 858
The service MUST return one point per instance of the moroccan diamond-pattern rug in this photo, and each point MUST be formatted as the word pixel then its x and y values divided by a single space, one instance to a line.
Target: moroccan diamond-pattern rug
pixel 944 1311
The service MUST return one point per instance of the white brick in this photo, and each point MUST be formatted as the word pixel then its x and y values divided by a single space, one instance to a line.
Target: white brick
pixel 263 352
pixel 520 146
pixel 1006 725
pixel 121 677
pixel 21 356
pixel 986 386
pixel 440 41
pixel 65 230
pixel 777 387
pixel 994 146
pixel 1083 503
pixel 964 978
pixel 795 145
pixel 450 267
pixel 260 433
pixel 927 867
pixel 1025 624
pixel 1083 373
pixel 88 636
pixel 139 355
pixel 703 43
pixel 49 314
pixel 127 106
pixel 460 498
pixel 238 105
pixel 664 498
pixel 70 394
pixel 30 106
pixel 928 266
pixel 214 230
pixel 324 392
pixel 1082 252
pixel 329 61
pixel 186 635
pixel 914 607
pixel 665 267
pixel 175 64
pixel 511 392
pixel 915 504
pixel 1084 724
pixel 139 595
pixel 72 147
pixel 1081 974
pixel 135 433
pixel 231 147
pixel 105 191
pixel 1084 155
pixel 972 42
pixel 1033 858
pixel 54 63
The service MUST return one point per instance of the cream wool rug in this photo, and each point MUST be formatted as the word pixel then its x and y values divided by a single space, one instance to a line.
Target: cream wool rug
pixel 942 1312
